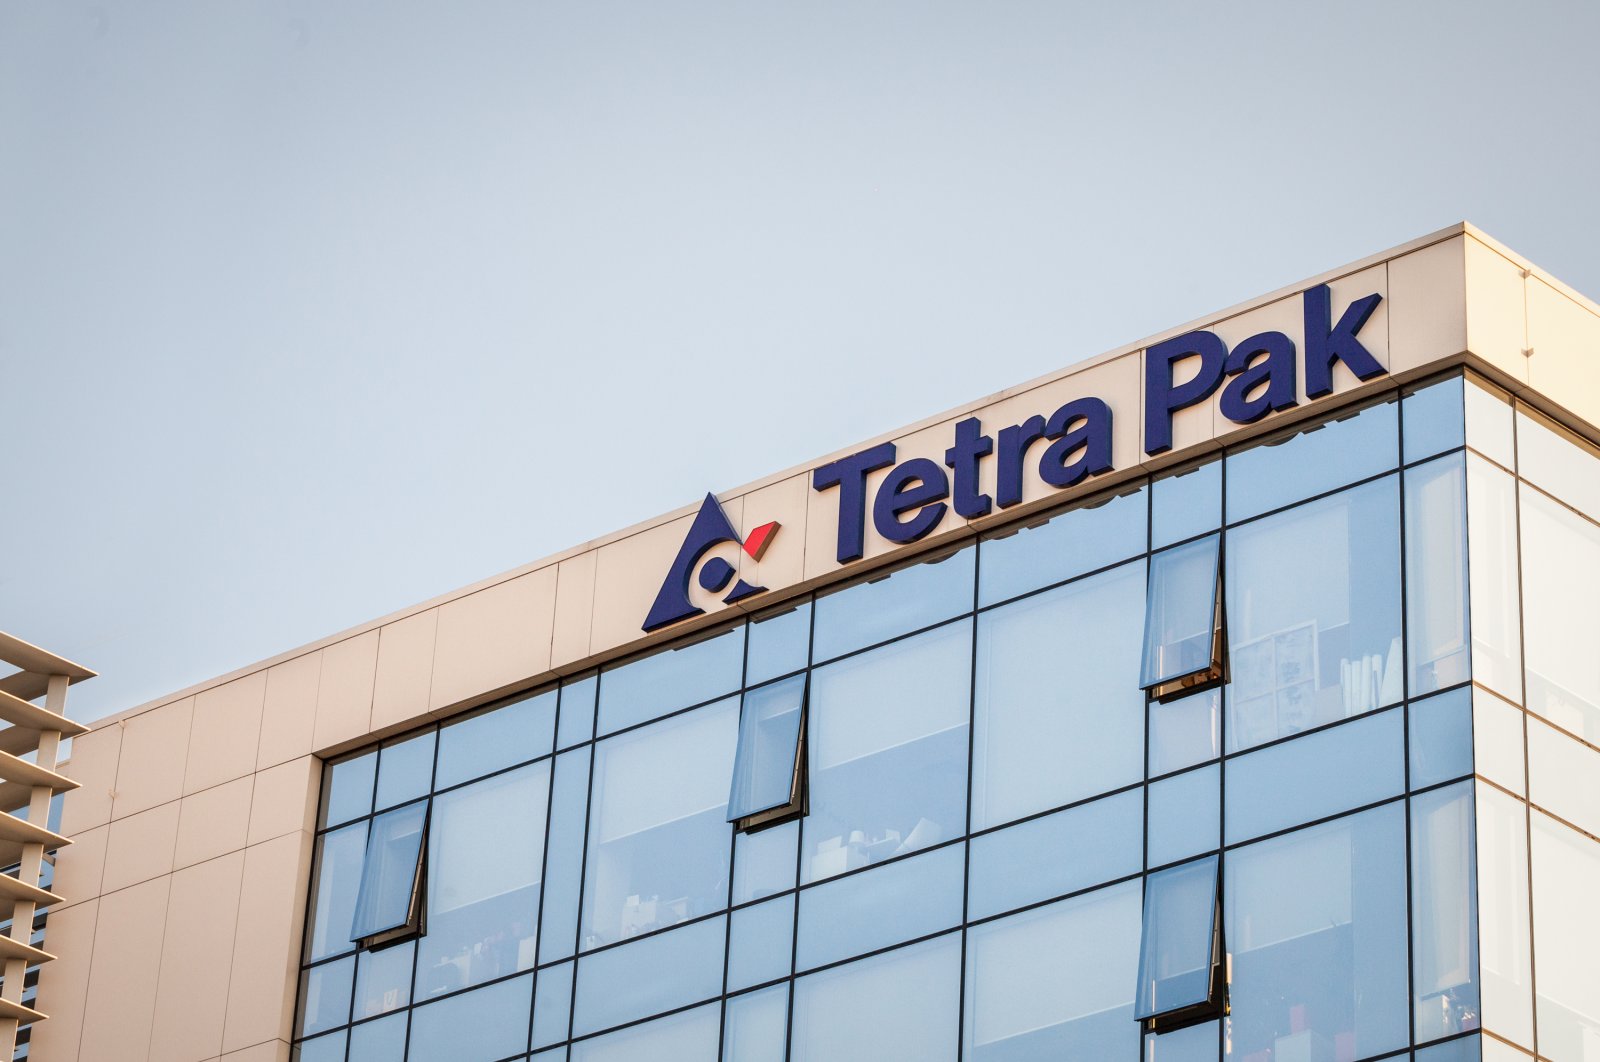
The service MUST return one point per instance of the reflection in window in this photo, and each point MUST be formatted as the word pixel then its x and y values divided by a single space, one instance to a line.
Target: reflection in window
pixel 903 1004
pixel 383 980
pixel 658 834
pixel 1041 742
pixel 1186 504
pixel 1436 574
pixel 1316 928
pixel 496 738
pixel 389 902
pixel 691 1035
pixel 888 905
pixel 1066 545
pixel 1180 956
pixel 1444 904
pixel 1566 939
pixel 1312 460
pixel 888 752
pixel 1434 419
pixel 1183 620
pixel 769 768
pixel 1023 864
pixel 662 972
pixel 485 851
pixel 1055 982
pixel 756 1027
pixel 340 855
pixel 1185 731
pixel 673 678
pixel 1561 581
pixel 483 1025
pixel 885 606
pixel 1313 605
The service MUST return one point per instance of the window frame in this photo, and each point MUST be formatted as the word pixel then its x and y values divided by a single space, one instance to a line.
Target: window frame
pixel 799 801
pixel 1215 1002
pixel 1171 685
pixel 415 923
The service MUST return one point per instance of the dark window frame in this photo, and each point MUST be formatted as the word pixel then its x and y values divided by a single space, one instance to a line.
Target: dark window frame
pixel 415 922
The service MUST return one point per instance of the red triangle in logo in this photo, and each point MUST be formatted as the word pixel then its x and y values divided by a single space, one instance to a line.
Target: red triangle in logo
pixel 759 539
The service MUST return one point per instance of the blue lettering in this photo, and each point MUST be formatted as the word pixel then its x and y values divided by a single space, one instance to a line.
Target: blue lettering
pixel 917 486
pixel 849 474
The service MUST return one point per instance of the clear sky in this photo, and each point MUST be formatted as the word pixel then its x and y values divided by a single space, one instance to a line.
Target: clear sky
pixel 310 311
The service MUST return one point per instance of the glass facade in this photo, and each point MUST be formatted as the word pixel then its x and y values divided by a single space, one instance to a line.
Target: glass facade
pixel 1006 847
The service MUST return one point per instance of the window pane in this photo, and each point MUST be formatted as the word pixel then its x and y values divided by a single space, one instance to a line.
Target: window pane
pixel 1435 419
pixel 1436 574
pixel 1561 582
pixel 1497 747
pixel 405 770
pixel 552 1006
pixel 389 872
pixel 778 644
pixel 1492 559
pixel 671 679
pixel 764 862
pixel 649 976
pixel 1566 938
pixel 757 1026
pixel 1185 731
pixel 328 1048
pixel 1444 919
pixel 1564 776
pixel 1558 462
pixel 1180 613
pixel 379 1041
pixel 659 839
pixel 340 855
pixel 569 798
pixel 383 979
pixel 1441 738
pixel 1069 544
pixel 1315 776
pixel 1177 947
pixel 1056 982
pixel 1056 854
pixel 1466 1049
pixel 1505 944
pixel 1186 505
pixel 1197 1043
pixel 348 785
pixel 478 1026
pixel 485 855
pixel 769 739
pixel 687 1037
pixel 1316 925
pixel 500 737
pixel 902 1004
pixel 906 600
pixel 575 721
pixel 1312 461
pixel 758 943
pixel 888 751
pixel 1041 742
pixel 325 995
pixel 1185 816
pixel 884 906
pixel 1313 604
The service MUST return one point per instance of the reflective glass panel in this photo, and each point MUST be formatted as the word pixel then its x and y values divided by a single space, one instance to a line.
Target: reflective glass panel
pixel 1497 746
pixel 552 1005
pixel 1489 428
pixel 563 875
pixel 1186 505
pixel 1464 1049
pixel 764 769
pixel 758 943
pixel 674 678
pixel 903 1004
pixel 658 830
pixel 1185 731
pixel 883 906
pixel 497 738
pixel 1564 777
pixel 483 1025
pixel 757 1026
pixel 405 770
pixel 383 979
pixel 348 785
pixel 485 860
pixel 1444 913
pixel 379 1041
pixel 1055 982
pixel 1041 742
pixel 386 899
pixel 1185 816
pixel 1435 419
pixel 779 644
pixel 1566 938
pixel 888 751
pixel 1181 613
pixel 764 862
pixel 328 1048
pixel 1561 585
pixel 648 976
pixel 1505 943
pixel 1178 943
pixel 1441 737
pixel 1066 545
pixel 1556 461
pixel 325 995
pixel 889 605
pixel 1196 1043
pixel 1313 600
pixel 1492 560
pixel 575 721
pixel 1436 574
pixel 1056 854
pixel 1312 461
pixel 1316 926
pixel 687 1037
pixel 340 855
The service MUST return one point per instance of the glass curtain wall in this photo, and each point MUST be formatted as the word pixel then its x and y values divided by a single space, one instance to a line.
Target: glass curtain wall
pixel 988 788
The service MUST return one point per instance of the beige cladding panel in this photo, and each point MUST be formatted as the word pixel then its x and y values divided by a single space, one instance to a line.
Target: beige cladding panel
pixel 405 669
pixel 285 799
pixel 272 1051
pixel 627 575
pixel 1428 305
pixel 224 733
pixel 494 638
pixel 344 690
pixel 574 612
pixel 266 944
pixel 213 822
pixel 155 747
pixel 289 716
pixel 140 847
pixel 94 764
pixel 1497 328
pixel 1565 339
pixel 64 983
pixel 120 1004
pixel 80 869
pixel 196 962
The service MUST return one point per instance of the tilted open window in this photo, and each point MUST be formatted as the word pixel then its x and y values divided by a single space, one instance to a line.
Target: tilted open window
pixel 389 903
pixel 1181 959
pixel 1183 645
pixel 769 772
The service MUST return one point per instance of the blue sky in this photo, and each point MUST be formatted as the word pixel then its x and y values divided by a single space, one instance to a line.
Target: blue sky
pixel 310 311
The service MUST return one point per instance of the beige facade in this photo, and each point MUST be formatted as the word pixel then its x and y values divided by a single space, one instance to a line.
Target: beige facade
pixel 184 895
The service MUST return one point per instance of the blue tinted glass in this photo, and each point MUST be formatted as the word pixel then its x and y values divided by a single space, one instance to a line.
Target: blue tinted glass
pixel 1085 950
pixel 764 775
pixel 1185 816
pixel 1178 945
pixel 325 995
pixel 906 600
pixel 1441 737
pixel 764 862
pixel 383 980
pixel 340 856
pixel 675 678
pixel 328 1048
pixel 1434 419
pixel 563 877
pixel 649 976
pixel 1069 544
pixel 904 1004
pixel 1465 1049
pixel 659 839
pixel 1186 505
pixel 577 712
pixel 758 945
pixel 383 1040
pixel 1039 742
pixel 1180 625
pixel 405 770
pixel 1436 574
pixel 1312 461
pixel 348 785
pixel 1196 1043
pixel 779 644
pixel 553 1054
pixel 1185 731
pixel 887 745
pixel 1316 931
pixel 687 1037
pixel 1057 854
pixel 757 1026
pixel 884 906
pixel 1315 776
pixel 552 1008
pixel 1313 602
pixel 1444 912
pixel 483 1025
pixel 387 896
pixel 495 739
